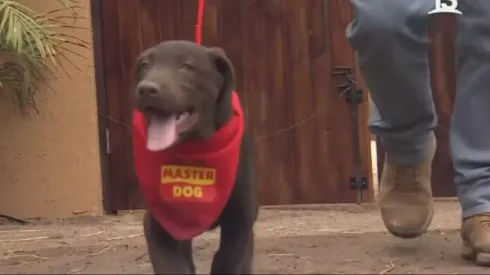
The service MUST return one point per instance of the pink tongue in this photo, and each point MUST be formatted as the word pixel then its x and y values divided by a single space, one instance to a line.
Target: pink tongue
pixel 162 133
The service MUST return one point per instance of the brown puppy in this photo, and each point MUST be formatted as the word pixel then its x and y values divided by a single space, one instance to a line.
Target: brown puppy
pixel 184 93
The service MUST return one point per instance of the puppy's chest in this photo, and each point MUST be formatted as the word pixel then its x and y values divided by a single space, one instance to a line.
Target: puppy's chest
pixel 187 187
pixel 192 183
pixel 189 194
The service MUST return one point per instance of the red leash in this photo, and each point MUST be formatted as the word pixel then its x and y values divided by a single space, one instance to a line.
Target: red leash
pixel 200 15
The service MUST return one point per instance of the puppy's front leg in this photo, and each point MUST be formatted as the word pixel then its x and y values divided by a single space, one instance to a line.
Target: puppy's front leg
pixel 235 252
pixel 167 255
pixel 247 262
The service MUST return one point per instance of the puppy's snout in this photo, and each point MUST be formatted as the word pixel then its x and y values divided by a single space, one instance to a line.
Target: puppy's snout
pixel 148 89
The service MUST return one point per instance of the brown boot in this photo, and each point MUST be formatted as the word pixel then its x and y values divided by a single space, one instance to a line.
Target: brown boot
pixel 405 197
pixel 475 233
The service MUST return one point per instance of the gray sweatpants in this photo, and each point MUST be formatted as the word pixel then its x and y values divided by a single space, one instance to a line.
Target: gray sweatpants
pixel 390 38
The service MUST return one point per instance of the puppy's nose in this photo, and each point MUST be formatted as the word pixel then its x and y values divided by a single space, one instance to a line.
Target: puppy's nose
pixel 148 89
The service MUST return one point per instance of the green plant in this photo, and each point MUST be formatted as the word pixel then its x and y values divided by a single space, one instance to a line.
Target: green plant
pixel 32 44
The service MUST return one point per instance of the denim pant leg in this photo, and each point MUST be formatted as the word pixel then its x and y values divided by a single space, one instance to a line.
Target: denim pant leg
pixel 390 38
pixel 470 126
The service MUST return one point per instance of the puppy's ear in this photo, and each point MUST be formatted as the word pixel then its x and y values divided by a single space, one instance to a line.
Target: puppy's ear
pixel 226 83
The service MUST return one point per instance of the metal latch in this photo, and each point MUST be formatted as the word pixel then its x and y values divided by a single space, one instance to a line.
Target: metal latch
pixel 353 97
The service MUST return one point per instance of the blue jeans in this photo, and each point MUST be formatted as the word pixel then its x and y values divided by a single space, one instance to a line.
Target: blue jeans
pixel 390 38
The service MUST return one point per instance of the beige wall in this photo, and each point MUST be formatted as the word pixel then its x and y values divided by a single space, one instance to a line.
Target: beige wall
pixel 50 162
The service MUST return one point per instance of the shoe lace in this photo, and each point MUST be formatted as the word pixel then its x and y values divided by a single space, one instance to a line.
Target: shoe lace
pixel 484 220
pixel 407 178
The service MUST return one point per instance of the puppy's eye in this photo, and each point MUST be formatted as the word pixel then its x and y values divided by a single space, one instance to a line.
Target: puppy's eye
pixel 144 65
pixel 188 67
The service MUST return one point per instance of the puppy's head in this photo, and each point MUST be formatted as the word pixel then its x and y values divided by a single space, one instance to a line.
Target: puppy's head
pixel 184 90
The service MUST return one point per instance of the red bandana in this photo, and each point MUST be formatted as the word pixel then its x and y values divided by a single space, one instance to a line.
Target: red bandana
pixel 186 187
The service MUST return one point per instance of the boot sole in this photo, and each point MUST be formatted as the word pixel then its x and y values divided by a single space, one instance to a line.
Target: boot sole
pixel 470 254
pixel 408 234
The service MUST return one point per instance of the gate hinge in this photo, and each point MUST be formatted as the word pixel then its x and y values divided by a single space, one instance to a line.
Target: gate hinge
pixel 348 85
pixel 353 97
pixel 358 184
pixel 107 141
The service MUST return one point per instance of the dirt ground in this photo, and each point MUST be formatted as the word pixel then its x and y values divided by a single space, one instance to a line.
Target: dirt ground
pixel 326 239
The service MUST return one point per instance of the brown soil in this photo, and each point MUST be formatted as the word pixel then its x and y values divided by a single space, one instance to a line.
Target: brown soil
pixel 308 240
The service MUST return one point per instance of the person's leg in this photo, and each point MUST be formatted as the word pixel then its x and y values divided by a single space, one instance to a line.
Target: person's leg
pixel 470 129
pixel 390 38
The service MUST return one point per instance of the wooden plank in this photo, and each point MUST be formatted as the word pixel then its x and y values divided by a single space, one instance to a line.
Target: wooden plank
pixel 107 192
pixel 322 84
pixel 303 113
pixel 265 87
pixel 169 14
pixel 131 46
pixel 149 22
pixel 268 104
pixel 112 75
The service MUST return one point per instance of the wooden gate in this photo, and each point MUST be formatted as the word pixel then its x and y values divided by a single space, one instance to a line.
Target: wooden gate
pixel 284 52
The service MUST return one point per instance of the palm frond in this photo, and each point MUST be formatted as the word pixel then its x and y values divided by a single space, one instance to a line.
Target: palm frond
pixel 31 44
pixel 19 29
pixel 68 4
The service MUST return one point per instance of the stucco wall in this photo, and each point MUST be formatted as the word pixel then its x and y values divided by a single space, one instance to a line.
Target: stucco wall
pixel 50 162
